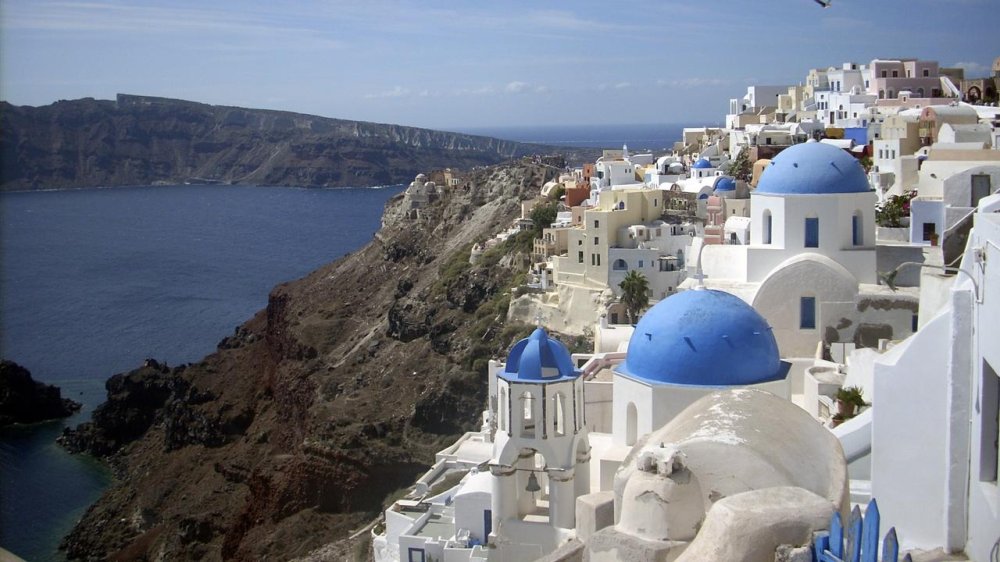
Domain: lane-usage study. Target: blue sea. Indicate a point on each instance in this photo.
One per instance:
(93, 281)
(639, 137)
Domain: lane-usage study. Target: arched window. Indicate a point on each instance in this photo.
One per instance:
(858, 229)
(767, 227)
(527, 415)
(559, 423)
(619, 265)
(920, 92)
(631, 424)
(503, 409)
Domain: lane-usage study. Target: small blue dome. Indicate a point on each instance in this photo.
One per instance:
(539, 358)
(813, 168)
(703, 338)
(725, 183)
(702, 164)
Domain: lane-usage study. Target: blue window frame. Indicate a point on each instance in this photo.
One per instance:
(857, 233)
(807, 313)
(812, 232)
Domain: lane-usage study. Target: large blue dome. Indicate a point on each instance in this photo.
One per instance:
(703, 338)
(813, 168)
(539, 358)
(703, 164)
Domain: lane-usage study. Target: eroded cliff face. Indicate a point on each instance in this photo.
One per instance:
(141, 140)
(336, 395)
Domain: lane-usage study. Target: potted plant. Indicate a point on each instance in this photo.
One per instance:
(849, 399)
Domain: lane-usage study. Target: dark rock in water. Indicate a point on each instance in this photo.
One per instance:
(25, 400)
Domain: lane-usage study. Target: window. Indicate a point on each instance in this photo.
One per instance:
(857, 230)
(620, 265)
(926, 73)
(597, 223)
(597, 240)
(812, 232)
(579, 257)
(767, 227)
(990, 424)
(640, 264)
(598, 259)
(807, 313)
(895, 74)
(914, 322)
(560, 408)
(631, 424)
(527, 415)
(883, 74)
(592, 260)
(503, 409)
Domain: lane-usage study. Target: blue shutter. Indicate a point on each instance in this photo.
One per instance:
(812, 232)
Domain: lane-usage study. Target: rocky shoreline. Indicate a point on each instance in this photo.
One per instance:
(24, 400)
(316, 411)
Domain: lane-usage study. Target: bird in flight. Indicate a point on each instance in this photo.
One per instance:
(824, 3)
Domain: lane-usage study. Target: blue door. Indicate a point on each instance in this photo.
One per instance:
(487, 524)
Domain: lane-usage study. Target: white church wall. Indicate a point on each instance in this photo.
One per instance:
(984, 495)
(599, 405)
(908, 480)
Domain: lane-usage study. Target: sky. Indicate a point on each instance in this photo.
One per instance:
(469, 63)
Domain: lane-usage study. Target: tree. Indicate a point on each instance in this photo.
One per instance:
(635, 294)
(741, 168)
(557, 192)
(543, 215)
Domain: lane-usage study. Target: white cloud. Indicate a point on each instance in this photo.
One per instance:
(480, 91)
(515, 87)
(693, 82)
(973, 69)
(623, 85)
(541, 89)
(396, 92)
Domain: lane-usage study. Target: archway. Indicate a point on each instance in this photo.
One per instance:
(631, 424)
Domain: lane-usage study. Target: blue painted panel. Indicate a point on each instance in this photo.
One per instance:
(869, 533)
(812, 232)
(807, 313)
(890, 547)
(853, 553)
(487, 524)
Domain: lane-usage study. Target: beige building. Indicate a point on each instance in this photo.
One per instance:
(586, 261)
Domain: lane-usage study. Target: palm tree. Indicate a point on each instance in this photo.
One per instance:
(635, 294)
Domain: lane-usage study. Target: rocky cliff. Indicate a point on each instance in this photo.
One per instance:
(25, 400)
(142, 140)
(325, 403)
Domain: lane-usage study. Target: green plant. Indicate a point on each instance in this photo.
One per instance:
(851, 395)
(635, 294)
(741, 168)
(893, 209)
(543, 215)
(557, 192)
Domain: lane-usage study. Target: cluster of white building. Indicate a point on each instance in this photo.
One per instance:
(705, 432)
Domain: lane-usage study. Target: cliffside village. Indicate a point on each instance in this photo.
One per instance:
(822, 330)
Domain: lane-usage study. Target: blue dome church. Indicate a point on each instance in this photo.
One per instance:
(809, 264)
(689, 345)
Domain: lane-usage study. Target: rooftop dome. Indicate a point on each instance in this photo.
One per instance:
(813, 168)
(725, 183)
(702, 164)
(539, 358)
(703, 338)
